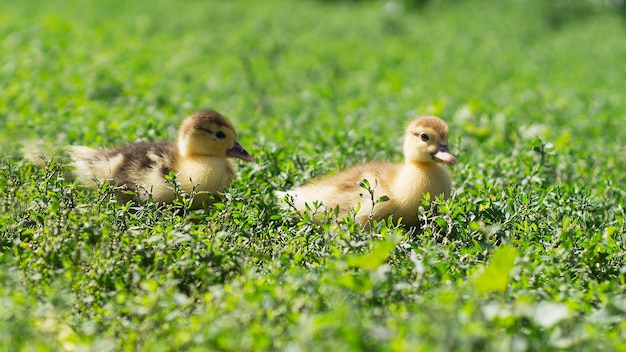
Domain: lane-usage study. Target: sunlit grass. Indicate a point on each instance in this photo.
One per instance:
(527, 255)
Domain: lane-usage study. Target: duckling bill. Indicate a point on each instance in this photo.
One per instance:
(200, 160)
(426, 151)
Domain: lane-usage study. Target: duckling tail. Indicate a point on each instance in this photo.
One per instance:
(37, 152)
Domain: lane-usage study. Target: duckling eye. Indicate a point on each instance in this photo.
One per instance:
(220, 135)
(424, 137)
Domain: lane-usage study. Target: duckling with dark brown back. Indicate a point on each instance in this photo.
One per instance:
(199, 159)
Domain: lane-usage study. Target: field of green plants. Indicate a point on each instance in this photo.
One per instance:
(527, 255)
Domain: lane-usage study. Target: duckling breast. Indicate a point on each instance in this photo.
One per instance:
(412, 183)
(206, 174)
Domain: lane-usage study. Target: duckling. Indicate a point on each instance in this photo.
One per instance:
(198, 159)
(425, 151)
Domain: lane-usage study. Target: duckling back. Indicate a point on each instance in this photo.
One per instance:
(342, 191)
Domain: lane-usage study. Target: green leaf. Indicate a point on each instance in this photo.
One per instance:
(375, 258)
(495, 277)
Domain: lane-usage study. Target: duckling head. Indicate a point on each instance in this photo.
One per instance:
(208, 133)
(426, 141)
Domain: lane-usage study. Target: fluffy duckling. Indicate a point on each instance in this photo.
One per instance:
(425, 150)
(199, 159)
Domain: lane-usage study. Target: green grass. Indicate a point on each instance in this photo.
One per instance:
(527, 255)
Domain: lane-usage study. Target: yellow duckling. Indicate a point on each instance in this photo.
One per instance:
(198, 159)
(425, 149)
